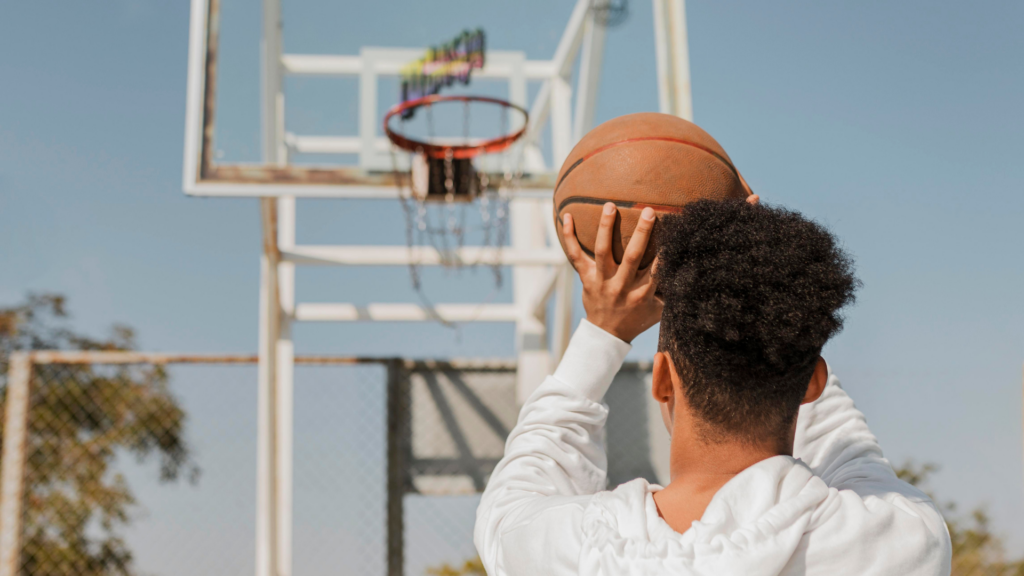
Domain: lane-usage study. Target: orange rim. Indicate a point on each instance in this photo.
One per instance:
(456, 151)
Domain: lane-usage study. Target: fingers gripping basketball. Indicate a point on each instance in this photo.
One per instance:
(636, 161)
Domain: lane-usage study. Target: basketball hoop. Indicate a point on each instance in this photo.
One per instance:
(464, 151)
(442, 168)
(441, 171)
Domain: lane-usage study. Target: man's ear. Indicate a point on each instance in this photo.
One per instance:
(661, 379)
(818, 381)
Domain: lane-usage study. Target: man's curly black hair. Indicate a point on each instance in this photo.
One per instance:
(751, 293)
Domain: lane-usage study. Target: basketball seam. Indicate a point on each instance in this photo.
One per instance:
(644, 139)
(618, 203)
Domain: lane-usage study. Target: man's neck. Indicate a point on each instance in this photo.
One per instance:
(699, 468)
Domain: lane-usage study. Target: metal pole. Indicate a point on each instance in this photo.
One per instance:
(673, 58)
(12, 474)
(266, 437)
(564, 134)
(285, 388)
(591, 59)
(561, 121)
(271, 96)
(276, 341)
(679, 46)
(195, 92)
(398, 446)
(565, 53)
(561, 330)
(661, 54)
(533, 359)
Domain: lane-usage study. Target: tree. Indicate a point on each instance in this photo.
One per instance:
(472, 567)
(976, 550)
(81, 419)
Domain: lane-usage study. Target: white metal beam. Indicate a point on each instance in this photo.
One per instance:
(539, 266)
(271, 97)
(538, 115)
(497, 66)
(561, 120)
(12, 474)
(672, 57)
(266, 511)
(421, 255)
(527, 226)
(591, 60)
(679, 46)
(367, 111)
(285, 383)
(326, 312)
(538, 304)
(194, 91)
(274, 338)
(369, 192)
(565, 54)
(661, 57)
(331, 144)
(561, 323)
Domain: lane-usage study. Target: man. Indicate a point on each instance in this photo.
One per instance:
(773, 469)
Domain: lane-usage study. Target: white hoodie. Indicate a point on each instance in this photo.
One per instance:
(835, 508)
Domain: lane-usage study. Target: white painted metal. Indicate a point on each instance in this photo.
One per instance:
(271, 95)
(368, 192)
(661, 57)
(332, 144)
(540, 270)
(285, 387)
(539, 113)
(538, 303)
(497, 67)
(12, 474)
(330, 312)
(373, 151)
(369, 66)
(367, 110)
(534, 361)
(279, 230)
(195, 88)
(266, 509)
(561, 329)
(591, 59)
(673, 59)
(561, 119)
(569, 43)
(420, 255)
(683, 105)
(284, 430)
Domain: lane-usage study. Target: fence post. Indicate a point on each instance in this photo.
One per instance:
(398, 464)
(12, 465)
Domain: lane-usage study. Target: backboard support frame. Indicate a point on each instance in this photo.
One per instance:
(540, 270)
(374, 177)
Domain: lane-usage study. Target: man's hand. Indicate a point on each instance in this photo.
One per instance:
(617, 298)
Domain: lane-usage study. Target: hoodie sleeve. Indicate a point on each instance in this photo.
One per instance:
(889, 522)
(528, 521)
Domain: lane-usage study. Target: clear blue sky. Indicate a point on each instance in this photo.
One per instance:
(897, 124)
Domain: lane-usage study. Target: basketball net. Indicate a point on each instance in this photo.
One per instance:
(441, 222)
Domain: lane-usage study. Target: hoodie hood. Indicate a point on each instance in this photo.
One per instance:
(753, 526)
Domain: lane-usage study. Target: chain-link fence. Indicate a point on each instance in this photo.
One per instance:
(121, 467)
(148, 465)
(459, 418)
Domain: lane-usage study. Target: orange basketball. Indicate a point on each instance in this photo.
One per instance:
(641, 160)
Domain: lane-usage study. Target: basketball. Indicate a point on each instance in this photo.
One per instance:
(640, 160)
